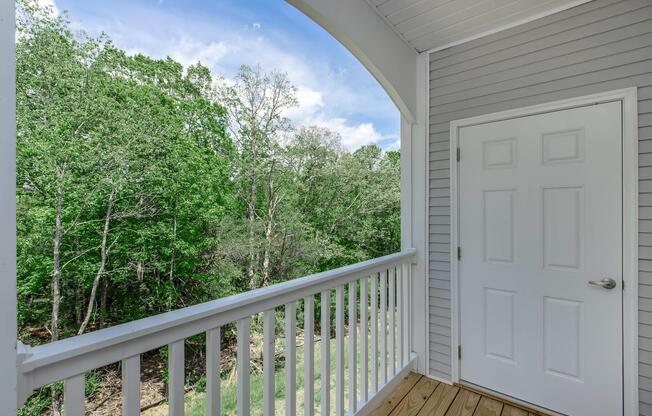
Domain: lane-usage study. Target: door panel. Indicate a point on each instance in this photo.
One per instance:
(540, 215)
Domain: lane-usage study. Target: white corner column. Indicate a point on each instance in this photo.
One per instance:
(8, 396)
(414, 219)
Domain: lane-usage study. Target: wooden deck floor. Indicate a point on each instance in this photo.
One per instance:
(420, 396)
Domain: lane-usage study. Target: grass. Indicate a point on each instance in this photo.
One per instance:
(195, 402)
(195, 406)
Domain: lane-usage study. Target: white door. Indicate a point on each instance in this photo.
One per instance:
(540, 215)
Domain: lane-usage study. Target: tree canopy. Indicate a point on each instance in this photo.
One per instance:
(143, 186)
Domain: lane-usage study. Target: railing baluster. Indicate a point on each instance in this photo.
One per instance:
(364, 335)
(400, 319)
(290, 359)
(353, 305)
(392, 322)
(131, 386)
(176, 377)
(269, 362)
(383, 327)
(374, 332)
(406, 313)
(73, 396)
(339, 339)
(71, 359)
(309, 355)
(213, 372)
(243, 367)
(325, 352)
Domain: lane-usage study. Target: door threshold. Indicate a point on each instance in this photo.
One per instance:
(512, 400)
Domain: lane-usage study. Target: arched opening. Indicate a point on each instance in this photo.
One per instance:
(155, 172)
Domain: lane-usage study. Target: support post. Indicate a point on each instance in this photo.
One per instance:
(414, 220)
(8, 382)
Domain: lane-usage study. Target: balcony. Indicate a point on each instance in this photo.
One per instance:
(371, 324)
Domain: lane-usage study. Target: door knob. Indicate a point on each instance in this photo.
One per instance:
(606, 283)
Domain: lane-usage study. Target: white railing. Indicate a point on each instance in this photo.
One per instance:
(390, 354)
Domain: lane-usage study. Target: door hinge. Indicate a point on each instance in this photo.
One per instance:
(459, 154)
(459, 352)
(459, 253)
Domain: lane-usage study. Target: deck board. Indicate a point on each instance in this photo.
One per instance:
(464, 404)
(416, 398)
(440, 400)
(404, 387)
(416, 395)
(513, 411)
(488, 407)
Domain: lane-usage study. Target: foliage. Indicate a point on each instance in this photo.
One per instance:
(143, 186)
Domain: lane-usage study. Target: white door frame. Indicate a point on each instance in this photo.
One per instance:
(628, 97)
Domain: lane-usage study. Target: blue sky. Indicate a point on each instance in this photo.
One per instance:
(335, 90)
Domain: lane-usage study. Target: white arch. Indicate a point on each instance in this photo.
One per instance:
(402, 73)
(363, 32)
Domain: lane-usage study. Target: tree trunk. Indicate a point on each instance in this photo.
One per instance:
(104, 256)
(271, 207)
(251, 213)
(174, 243)
(56, 285)
(104, 313)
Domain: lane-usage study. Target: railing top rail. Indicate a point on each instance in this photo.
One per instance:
(158, 330)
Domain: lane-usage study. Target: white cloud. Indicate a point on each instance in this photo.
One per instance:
(311, 111)
(51, 5)
(310, 103)
(329, 95)
(189, 51)
(353, 135)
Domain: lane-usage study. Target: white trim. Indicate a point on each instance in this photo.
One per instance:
(515, 23)
(439, 379)
(391, 25)
(630, 252)
(60, 360)
(426, 255)
(628, 97)
(414, 182)
(8, 394)
(366, 35)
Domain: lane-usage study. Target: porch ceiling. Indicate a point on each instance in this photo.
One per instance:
(433, 24)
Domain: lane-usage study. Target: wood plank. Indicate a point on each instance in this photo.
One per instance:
(488, 407)
(131, 386)
(309, 355)
(176, 374)
(353, 303)
(404, 387)
(416, 398)
(440, 400)
(339, 350)
(212, 372)
(513, 411)
(291, 358)
(464, 404)
(374, 333)
(73, 395)
(269, 362)
(243, 366)
(364, 339)
(325, 352)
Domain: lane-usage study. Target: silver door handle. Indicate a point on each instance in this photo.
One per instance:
(607, 283)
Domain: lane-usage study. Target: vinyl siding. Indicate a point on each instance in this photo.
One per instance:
(599, 46)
